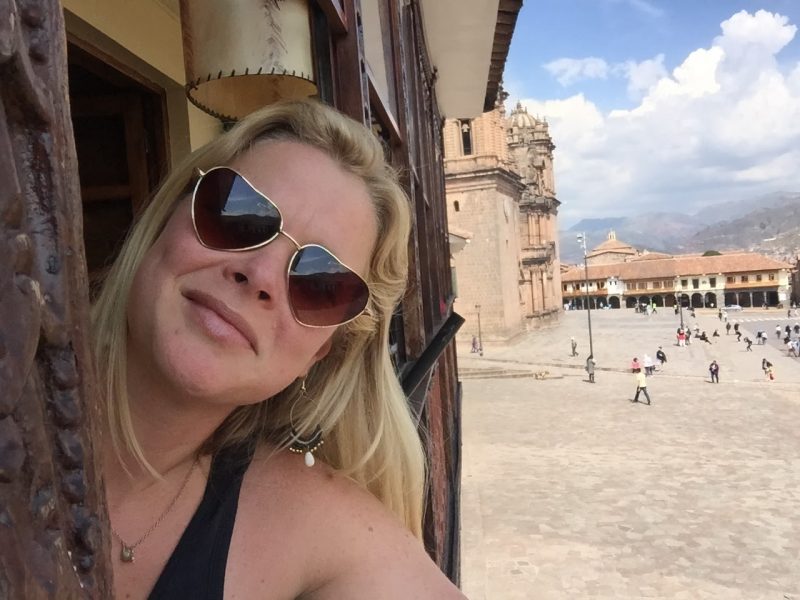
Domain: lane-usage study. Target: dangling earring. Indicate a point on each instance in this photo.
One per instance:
(302, 445)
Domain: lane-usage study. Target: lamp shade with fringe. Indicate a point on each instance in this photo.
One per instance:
(245, 54)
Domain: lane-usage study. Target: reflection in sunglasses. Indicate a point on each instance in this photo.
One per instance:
(243, 199)
(229, 214)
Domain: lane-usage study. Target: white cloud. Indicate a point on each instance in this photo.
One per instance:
(643, 75)
(571, 70)
(723, 124)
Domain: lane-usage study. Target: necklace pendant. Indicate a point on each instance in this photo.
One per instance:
(126, 554)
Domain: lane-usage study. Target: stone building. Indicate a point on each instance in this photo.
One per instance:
(742, 278)
(610, 251)
(501, 190)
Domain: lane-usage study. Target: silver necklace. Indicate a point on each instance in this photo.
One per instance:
(126, 553)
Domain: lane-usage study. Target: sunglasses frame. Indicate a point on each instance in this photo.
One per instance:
(298, 247)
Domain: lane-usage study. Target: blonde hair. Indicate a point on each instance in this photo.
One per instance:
(353, 393)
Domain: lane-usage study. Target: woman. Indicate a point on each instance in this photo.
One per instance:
(244, 323)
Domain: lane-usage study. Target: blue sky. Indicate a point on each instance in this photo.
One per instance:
(662, 104)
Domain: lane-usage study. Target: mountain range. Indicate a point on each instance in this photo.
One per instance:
(768, 224)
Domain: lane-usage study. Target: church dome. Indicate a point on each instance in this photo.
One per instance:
(519, 118)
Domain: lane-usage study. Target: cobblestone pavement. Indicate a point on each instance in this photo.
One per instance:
(570, 490)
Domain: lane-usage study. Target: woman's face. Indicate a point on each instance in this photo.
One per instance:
(217, 325)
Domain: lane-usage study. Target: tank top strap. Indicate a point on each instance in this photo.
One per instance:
(196, 568)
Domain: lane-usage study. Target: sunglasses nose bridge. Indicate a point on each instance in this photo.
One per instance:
(290, 238)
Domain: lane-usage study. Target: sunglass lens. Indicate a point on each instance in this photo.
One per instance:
(230, 215)
(322, 291)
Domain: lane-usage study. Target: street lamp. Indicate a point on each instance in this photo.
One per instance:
(480, 338)
(582, 242)
(680, 306)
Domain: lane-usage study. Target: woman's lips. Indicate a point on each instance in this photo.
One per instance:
(220, 320)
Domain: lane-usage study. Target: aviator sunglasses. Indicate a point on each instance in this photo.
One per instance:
(230, 214)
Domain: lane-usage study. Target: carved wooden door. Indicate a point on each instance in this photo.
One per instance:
(53, 542)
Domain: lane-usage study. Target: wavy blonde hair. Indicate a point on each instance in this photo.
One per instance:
(353, 393)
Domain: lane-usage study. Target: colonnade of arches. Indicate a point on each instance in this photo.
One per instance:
(696, 300)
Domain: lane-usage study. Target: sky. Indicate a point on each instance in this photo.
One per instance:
(661, 105)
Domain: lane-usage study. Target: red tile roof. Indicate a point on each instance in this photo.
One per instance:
(678, 266)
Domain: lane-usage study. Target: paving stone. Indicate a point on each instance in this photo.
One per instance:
(571, 491)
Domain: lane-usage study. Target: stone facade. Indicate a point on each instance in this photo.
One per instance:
(741, 278)
(610, 251)
(501, 195)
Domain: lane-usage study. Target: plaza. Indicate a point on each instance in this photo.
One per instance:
(570, 490)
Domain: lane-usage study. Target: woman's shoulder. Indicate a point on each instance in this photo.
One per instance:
(336, 539)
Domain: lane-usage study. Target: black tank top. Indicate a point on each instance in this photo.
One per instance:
(196, 568)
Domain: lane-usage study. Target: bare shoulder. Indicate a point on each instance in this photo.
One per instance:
(336, 539)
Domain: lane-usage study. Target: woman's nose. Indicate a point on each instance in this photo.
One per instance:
(261, 273)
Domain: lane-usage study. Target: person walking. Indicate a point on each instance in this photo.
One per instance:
(713, 369)
(649, 365)
(738, 336)
(590, 365)
(727, 328)
(778, 331)
(641, 386)
(736, 327)
(688, 337)
(681, 338)
(574, 345)
(765, 364)
(660, 356)
(474, 349)
(749, 343)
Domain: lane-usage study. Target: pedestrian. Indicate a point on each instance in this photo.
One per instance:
(738, 336)
(574, 345)
(704, 338)
(691, 312)
(641, 386)
(719, 314)
(590, 365)
(736, 327)
(676, 309)
(474, 349)
(713, 369)
(681, 338)
(778, 331)
(688, 337)
(770, 372)
(797, 328)
(727, 328)
(749, 343)
(649, 365)
(662, 358)
(635, 365)
(716, 333)
(765, 364)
